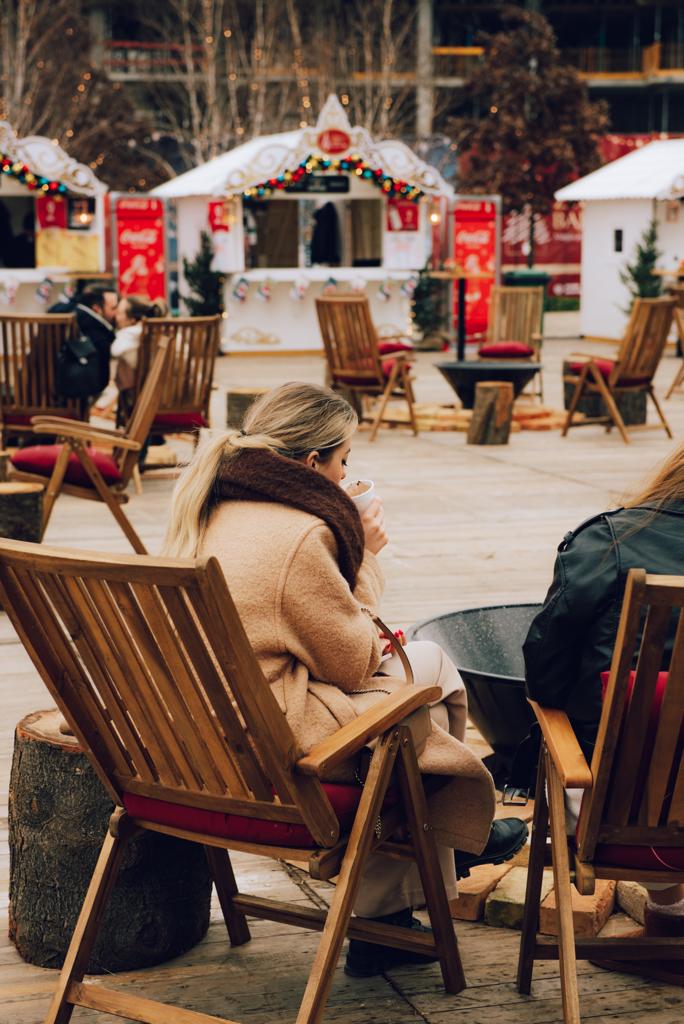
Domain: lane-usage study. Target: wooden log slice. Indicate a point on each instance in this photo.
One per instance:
(58, 816)
(492, 412)
(238, 401)
(21, 510)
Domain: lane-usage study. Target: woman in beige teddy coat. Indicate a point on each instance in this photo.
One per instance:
(303, 571)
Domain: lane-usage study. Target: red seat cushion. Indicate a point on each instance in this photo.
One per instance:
(386, 348)
(344, 800)
(506, 350)
(180, 421)
(41, 459)
(605, 368)
(350, 378)
(24, 420)
(646, 858)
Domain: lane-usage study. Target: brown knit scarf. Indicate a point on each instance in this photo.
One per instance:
(259, 475)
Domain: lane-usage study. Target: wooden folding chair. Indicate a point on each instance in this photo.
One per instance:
(29, 346)
(632, 815)
(76, 468)
(149, 663)
(514, 327)
(677, 293)
(355, 365)
(186, 385)
(631, 370)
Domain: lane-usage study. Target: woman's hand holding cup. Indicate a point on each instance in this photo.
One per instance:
(373, 522)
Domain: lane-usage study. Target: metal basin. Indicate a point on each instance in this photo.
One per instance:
(486, 646)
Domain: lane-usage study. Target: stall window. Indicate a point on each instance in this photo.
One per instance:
(17, 232)
(617, 240)
(366, 232)
(271, 234)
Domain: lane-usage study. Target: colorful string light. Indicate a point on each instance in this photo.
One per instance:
(24, 174)
(288, 181)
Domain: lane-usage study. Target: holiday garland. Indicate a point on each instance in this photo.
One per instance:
(23, 174)
(289, 180)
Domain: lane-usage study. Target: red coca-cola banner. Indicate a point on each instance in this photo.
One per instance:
(217, 212)
(402, 215)
(51, 212)
(475, 252)
(140, 247)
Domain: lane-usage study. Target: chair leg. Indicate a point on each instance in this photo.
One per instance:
(137, 482)
(85, 933)
(428, 864)
(408, 389)
(574, 401)
(107, 497)
(535, 873)
(661, 415)
(677, 380)
(612, 408)
(313, 1004)
(391, 383)
(54, 486)
(563, 892)
(226, 888)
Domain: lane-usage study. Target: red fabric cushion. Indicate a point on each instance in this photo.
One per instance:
(647, 858)
(605, 368)
(386, 348)
(41, 458)
(344, 801)
(506, 350)
(387, 367)
(21, 420)
(179, 421)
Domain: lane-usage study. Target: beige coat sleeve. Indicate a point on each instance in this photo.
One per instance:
(320, 622)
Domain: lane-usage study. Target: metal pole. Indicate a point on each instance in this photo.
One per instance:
(461, 335)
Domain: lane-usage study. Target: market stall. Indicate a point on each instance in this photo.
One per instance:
(619, 201)
(52, 216)
(307, 212)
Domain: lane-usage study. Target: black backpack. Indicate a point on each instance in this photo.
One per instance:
(78, 369)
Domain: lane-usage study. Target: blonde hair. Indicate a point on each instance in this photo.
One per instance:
(666, 484)
(291, 420)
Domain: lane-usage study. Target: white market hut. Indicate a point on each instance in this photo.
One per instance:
(292, 215)
(52, 221)
(619, 200)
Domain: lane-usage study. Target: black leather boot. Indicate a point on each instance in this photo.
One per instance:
(365, 959)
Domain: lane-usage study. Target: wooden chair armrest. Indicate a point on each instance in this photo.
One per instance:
(367, 726)
(81, 431)
(563, 747)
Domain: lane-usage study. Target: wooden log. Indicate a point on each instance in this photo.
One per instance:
(492, 412)
(21, 510)
(4, 466)
(238, 401)
(58, 816)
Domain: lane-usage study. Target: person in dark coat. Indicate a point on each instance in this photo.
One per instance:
(95, 309)
(571, 640)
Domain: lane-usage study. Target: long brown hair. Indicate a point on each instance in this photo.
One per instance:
(666, 484)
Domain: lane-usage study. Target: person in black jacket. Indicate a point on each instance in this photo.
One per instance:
(95, 309)
(571, 640)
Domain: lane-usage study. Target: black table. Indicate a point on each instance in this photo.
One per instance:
(464, 375)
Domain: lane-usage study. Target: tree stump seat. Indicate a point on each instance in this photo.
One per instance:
(58, 815)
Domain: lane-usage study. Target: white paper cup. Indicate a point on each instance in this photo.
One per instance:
(363, 500)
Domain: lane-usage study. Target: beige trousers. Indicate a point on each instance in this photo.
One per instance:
(389, 885)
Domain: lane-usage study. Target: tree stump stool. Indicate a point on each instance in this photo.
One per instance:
(631, 404)
(58, 815)
(238, 401)
(4, 466)
(492, 413)
(21, 510)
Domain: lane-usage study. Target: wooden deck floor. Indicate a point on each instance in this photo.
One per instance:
(468, 526)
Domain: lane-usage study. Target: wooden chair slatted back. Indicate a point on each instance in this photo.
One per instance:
(149, 663)
(189, 374)
(515, 314)
(644, 340)
(144, 411)
(638, 767)
(29, 346)
(349, 338)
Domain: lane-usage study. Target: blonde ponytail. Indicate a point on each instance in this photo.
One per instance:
(292, 420)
